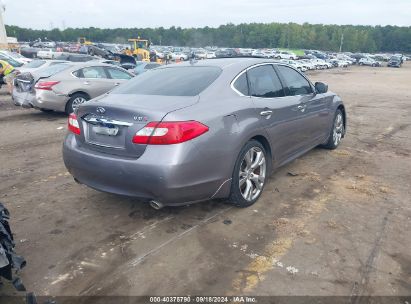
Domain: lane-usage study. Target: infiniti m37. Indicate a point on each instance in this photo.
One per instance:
(212, 129)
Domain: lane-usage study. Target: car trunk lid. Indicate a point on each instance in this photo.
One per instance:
(109, 123)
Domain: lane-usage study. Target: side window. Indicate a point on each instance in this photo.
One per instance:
(241, 84)
(94, 72)
(78, 74)
(295, 82)
(264, 82)
(117, 74)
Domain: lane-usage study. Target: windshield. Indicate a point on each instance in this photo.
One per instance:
(176, 81)
(34, 64)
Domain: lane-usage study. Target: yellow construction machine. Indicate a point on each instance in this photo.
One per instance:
(139, 48)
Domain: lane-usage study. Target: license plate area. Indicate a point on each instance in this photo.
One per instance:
(105, 130)
(106, 135)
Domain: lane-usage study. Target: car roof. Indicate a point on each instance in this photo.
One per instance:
(232, 64)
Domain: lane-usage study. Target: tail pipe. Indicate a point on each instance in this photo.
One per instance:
(156, 205)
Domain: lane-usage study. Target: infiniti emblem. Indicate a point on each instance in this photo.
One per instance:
(101, 110)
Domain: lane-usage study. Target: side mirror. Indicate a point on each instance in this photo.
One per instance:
(321, 88)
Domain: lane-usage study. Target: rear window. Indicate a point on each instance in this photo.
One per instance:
(173, 81)
(52, 70)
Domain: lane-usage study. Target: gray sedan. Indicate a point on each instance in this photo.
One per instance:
(213, 129)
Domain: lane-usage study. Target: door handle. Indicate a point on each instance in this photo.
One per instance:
(86, 82)
(117, 84)
(301, 108)
(266, 113)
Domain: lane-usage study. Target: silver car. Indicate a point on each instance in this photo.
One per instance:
(203, 130)
(65, 86)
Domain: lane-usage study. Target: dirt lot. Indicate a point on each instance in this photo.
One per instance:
(338, 225)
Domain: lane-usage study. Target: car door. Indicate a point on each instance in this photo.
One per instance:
(93, 80)
(313, 108)
(117, 76)
(277, 113)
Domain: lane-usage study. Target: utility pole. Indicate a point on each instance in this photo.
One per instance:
(342, 42)
(3, 34)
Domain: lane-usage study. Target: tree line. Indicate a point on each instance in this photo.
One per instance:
(356, 38)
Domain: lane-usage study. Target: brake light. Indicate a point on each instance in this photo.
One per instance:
(168, 133)
(73, 124)
(45, 85)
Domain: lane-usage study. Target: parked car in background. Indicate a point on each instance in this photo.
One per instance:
(16, 56)
(226, 53)
(369, 61)
(285, 55)
(76, 57)
(10, 60)
(63, 87)
(200, 54)
(37, 64)
(211, 55)
(179, 56)
(143, 66)
(29, 52)
(48, 54)
(394, 62)
(259, 54)
(295, 64)
(159, 137)
(94, 50)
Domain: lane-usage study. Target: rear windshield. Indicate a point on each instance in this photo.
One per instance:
(172, 81)
(34, 64)
(52, 70)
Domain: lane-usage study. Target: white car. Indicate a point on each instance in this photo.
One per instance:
(296, 64)
(285, 55)
(308, 64)
(211, 55)
(48, 54)
(200, 54)
(179, 56)
(16, 56)
(259, 54)
(368, 61)
(320, 64)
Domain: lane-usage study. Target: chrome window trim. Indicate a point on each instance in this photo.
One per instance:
(245, 71)
(309, 82)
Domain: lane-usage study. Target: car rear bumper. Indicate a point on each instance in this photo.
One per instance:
(23, 99)
(171, 175)
(50, 100)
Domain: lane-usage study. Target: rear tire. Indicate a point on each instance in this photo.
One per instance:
(249, 175)
(337, 131)
(75, 100)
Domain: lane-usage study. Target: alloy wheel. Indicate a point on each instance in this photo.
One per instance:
(77, 102)
(252, 174)
(338, 130)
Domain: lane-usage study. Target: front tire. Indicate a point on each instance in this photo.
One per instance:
(337, 131)
(249, 175)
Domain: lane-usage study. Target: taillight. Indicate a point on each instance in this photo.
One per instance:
(73, 124)
(168, 133)
(45, 85)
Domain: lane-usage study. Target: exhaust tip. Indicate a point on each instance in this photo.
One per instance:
(156, 205)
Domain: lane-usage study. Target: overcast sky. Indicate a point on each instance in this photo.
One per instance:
(43, 14)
